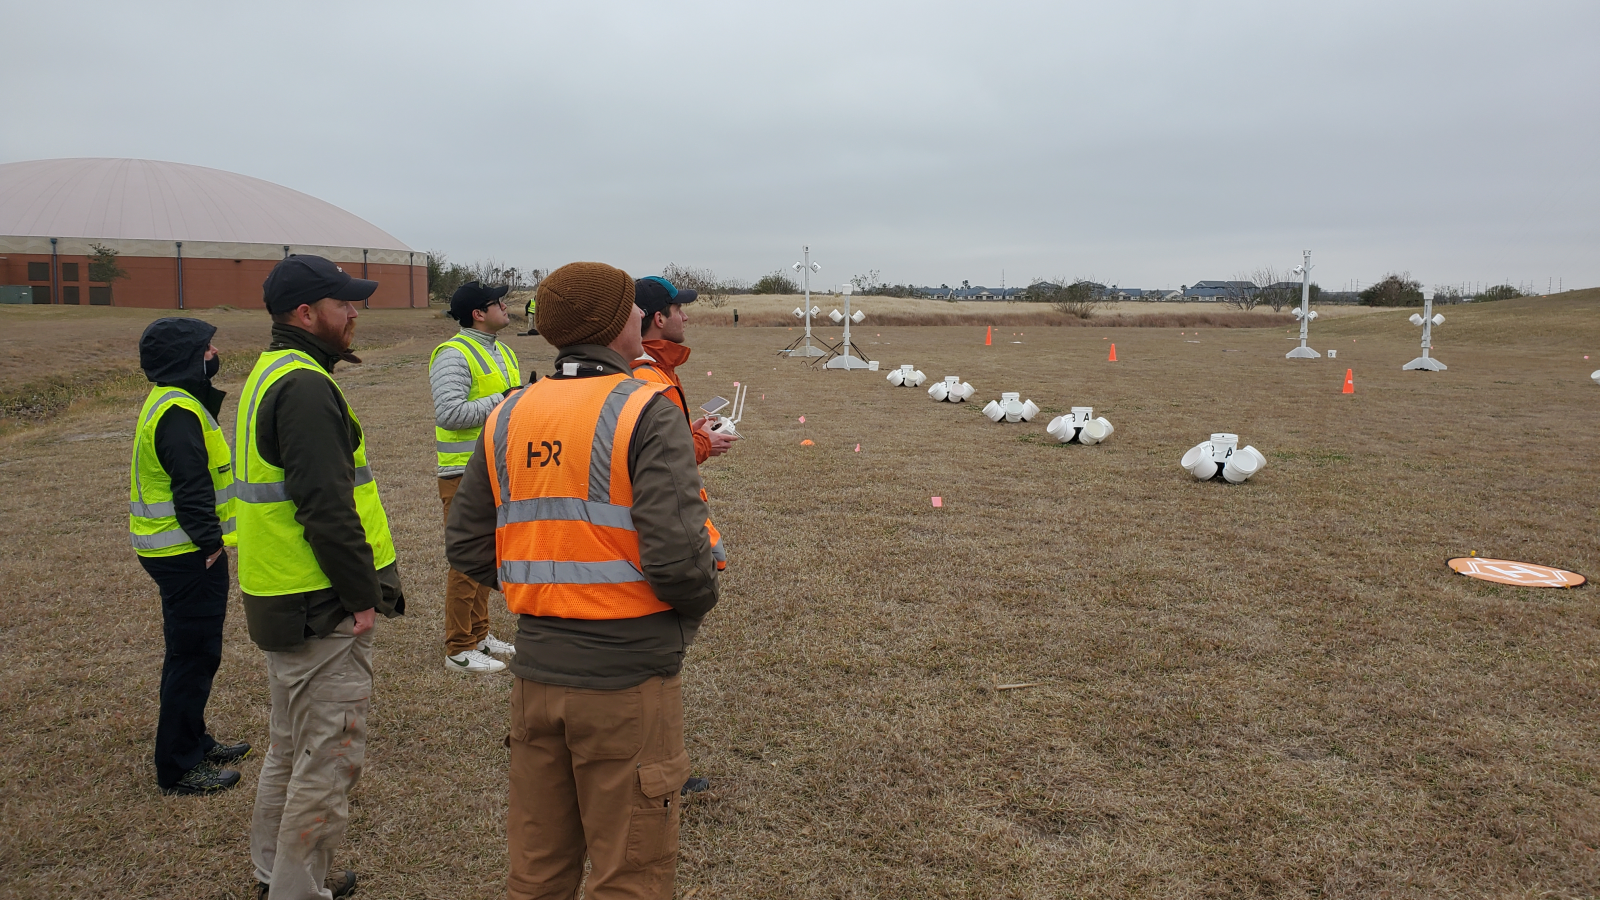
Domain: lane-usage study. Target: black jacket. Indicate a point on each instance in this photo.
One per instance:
(304, 427)
(172, 353)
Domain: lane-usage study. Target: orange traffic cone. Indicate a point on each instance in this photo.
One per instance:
(1113, 357)
(1349, 381)
(988, 337)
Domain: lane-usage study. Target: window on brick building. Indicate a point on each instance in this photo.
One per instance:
(69, 271)
(69, 294)
(38, 271)
(41, 294)
(99, 296)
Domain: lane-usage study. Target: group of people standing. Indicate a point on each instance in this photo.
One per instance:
(577, 495)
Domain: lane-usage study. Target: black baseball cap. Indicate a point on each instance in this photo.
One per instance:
(654, 294)
(302, 278)
(471, 296)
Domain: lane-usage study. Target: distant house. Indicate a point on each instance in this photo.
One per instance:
(1217, 291)
(975, 292)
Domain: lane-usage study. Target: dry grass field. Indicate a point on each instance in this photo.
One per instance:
(1267, 690)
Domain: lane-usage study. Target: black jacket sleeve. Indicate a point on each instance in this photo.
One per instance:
(469, 532)
(312, 438)
(181, 448)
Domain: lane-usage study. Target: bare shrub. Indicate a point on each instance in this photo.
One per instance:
(778, 282)
(713, 290)
(1077, 298)
(1243, 292)
(1396, 289)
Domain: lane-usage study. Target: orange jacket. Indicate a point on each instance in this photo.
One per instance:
(565, 539)
(662, 368)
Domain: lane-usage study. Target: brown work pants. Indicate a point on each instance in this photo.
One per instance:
(595, 773)
(466, 602)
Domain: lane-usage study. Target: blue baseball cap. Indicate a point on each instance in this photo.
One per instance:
(654, 294)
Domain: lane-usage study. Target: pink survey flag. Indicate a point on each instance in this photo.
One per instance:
(802, 420)
(938, 502)
(858, 448)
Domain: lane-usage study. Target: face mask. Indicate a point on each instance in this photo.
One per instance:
(213, 366)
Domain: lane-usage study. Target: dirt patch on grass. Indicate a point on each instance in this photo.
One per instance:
(1272, 689)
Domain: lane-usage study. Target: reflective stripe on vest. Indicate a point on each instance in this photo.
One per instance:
(153, 526)
(454, 446)
(645, 371)
(564, 534)
(274, 556)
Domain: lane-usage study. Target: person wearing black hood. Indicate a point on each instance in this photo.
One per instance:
(179, 516)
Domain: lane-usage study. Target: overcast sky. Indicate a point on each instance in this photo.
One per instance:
(1145, 144)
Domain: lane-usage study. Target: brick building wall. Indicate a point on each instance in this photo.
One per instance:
(152, 281)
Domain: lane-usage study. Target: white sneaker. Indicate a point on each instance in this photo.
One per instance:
(496, 647)
(471, 662)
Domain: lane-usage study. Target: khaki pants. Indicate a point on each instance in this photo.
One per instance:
(595, 773)
(318, 743)
(466, 602)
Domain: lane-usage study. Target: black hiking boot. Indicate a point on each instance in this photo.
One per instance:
(203, 779)
(222, 754)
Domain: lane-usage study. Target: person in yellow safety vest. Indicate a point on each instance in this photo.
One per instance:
(530, 310)
(582, 503)
(469, 374)
(180, 516)
(316, 565)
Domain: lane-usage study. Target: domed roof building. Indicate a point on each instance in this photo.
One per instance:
(182, 236)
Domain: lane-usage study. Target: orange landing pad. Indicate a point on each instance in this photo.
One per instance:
(1521, 574)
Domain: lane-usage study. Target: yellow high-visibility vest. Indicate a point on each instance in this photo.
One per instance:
(454, 446)
(274, 556)
(152, 519)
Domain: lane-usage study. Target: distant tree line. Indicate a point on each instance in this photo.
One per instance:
(1400, 289)
(445, 276)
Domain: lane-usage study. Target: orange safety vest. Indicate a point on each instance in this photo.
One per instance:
(643, 369)
(564, 535)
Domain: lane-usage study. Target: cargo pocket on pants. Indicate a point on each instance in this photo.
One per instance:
(653, 829)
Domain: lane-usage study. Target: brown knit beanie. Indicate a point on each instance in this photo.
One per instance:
(583, 303)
